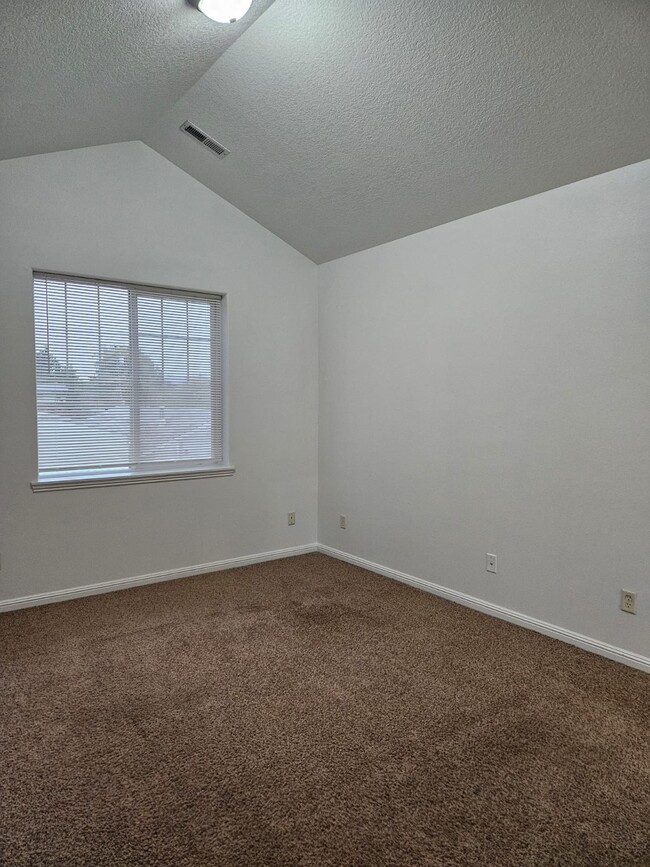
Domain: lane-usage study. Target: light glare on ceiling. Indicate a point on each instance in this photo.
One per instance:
(225, 11)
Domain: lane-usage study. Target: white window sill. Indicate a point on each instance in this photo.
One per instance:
(107, 481)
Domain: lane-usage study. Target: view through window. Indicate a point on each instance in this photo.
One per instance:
(128, 378)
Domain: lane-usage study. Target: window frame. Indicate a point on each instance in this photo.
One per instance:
(159, 471)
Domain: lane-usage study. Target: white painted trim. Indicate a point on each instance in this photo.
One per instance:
(152, 578)
(72, 484)
(618, 654)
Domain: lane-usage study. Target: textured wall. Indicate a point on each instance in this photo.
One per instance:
(485, 388)
(123, 212)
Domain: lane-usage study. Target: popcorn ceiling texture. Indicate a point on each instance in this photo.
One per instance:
(75, 74)
(350, 123)
(307, 712)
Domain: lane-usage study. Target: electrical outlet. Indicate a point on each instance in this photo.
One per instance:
(628, 601)
(491, 563)
(291, 519)
(342, 522)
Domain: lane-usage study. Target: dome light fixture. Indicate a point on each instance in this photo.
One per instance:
(225, 11)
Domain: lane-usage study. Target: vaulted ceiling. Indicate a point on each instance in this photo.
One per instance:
(350, 122)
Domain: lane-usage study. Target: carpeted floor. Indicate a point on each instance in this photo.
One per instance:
(306, 712)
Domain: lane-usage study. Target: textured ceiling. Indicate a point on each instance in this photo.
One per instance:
(75, 73)
(350, 123)
(354, 123)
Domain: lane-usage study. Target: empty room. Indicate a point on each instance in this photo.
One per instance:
(325, 433)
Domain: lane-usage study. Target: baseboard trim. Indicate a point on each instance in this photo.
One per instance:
(152, 578)
(618, 654)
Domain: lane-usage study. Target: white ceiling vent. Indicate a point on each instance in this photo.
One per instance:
(205, 139)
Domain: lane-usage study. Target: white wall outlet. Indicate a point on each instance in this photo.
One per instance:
(342, 523)
(291, 519)
(491, 563)
(628, 601)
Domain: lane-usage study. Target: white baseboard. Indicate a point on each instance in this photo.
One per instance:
(151, 578)
(618, 654)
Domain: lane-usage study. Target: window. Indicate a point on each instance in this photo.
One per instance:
(129, 383)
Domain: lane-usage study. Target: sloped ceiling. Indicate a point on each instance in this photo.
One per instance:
(350, 123)
(76, 73)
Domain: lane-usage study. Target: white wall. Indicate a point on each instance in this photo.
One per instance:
(124, 212)
(485, 387)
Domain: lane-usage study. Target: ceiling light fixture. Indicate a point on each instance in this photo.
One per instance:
(225, 11)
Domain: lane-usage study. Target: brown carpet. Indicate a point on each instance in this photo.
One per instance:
(307, 712)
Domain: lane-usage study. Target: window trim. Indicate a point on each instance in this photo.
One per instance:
(129, 478)
(164, 471)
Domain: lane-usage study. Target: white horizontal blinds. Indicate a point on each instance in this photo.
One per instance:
(83, 379)
(216, 340)
(179, 378)
(128, 378)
